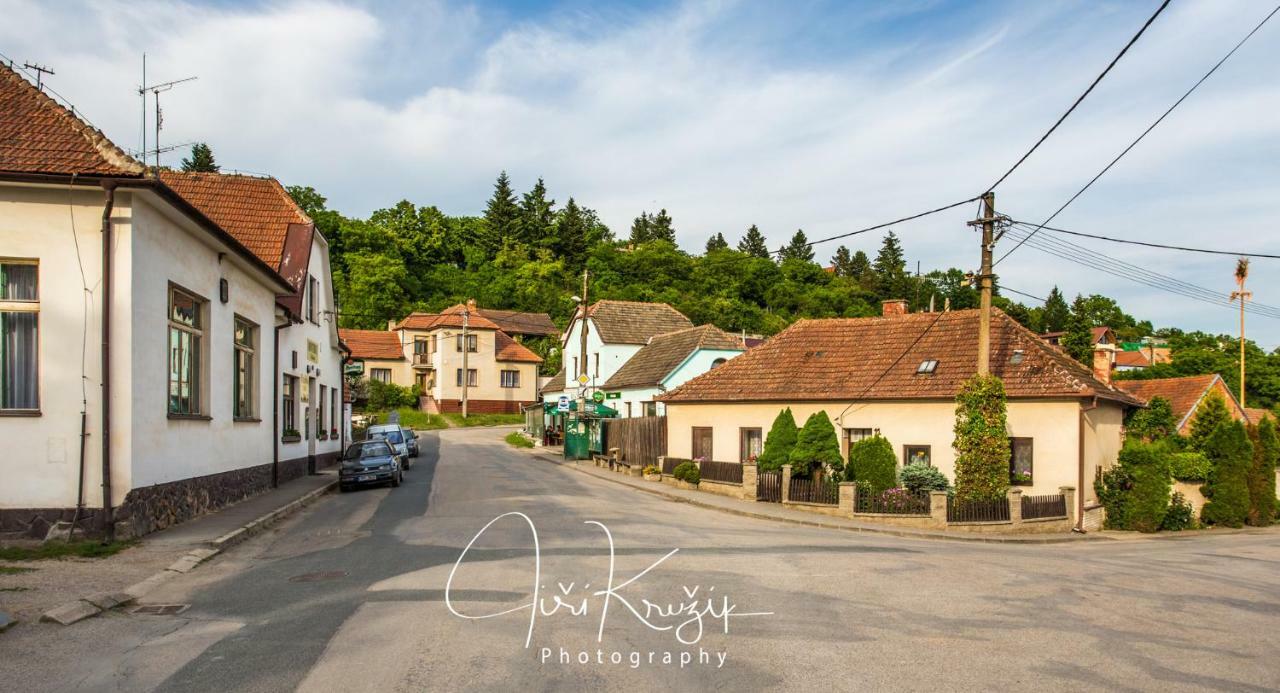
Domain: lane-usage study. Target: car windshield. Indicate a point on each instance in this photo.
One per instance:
(393, 436)
(372, 448)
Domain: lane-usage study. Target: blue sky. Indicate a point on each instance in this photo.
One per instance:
(813, 115)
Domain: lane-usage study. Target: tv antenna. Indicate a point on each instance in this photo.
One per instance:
(40, 71)
(155, 90)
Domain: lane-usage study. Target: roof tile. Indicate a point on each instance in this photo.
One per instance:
(257, 211)
(657, 359)
(631, 322)
(372, 344)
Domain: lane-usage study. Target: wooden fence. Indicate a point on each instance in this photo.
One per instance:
(640, 441)
(1038, 507)
(769, 487)
(822, 491)
(730, 472)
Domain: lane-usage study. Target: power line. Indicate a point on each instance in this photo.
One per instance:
(1081, 98)
(1145, 132)
(1153, 245)
(1003, 288)
(886, 224)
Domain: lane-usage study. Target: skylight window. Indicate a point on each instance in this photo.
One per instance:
(927, 367)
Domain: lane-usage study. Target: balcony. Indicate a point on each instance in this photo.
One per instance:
(422, 360)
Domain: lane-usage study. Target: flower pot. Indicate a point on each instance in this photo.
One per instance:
(290, 438)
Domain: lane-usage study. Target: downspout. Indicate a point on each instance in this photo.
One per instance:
(108, 523)
(1080, 465)
(275, 405)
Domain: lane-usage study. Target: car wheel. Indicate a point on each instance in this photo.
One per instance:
(395, 480)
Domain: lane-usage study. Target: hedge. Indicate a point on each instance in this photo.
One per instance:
(1189, 466)
(1231, 455)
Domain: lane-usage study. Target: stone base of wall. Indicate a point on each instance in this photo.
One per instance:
(820, 508)
(721, 488)
(475, 406)
(34, 523)
(152, 508)
(917, 521)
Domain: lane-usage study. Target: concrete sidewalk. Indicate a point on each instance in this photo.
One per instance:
(778, 512)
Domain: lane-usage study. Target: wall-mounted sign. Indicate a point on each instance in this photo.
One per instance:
(613, 395)
(354, 368)
(597, 397)
(313, 352)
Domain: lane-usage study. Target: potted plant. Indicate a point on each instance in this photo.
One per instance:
(652, 473)
(290, 435)
(322, 435)
(333, 433)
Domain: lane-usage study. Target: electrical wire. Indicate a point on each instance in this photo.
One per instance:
(886, 224)
(1153, 245)
(1081, 98)
(1022, 293)
(1140, 137)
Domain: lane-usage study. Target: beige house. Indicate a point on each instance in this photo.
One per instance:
(897, 376)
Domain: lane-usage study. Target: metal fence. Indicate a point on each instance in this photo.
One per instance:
(730, 472)
(894, 501)
(1039, 507)
(820, 491)
(640, 440)
(769, 487)
(978, 511)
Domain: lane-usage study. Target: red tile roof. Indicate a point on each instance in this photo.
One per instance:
(1132, 359)
(1256, 415)
(1184, 394)
(449, 317)
(633, 322)
(257, 211)
(37, 135)
(372, 344)
(665, 352)
(877, 359)
(508, 349)
(517, 322)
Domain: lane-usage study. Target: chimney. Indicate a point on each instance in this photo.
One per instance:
(391, 325)
(471, 305)
(893, 306)
(1102, 364)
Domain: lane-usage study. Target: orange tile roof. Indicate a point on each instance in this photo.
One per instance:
(372, 344)
(38, 135)
(877, 359)
(1184, 394)
(449, 317)
(657, 359)
(256, 211)
(1132, 359)
(1256, 414)
(508, 349)
(634, 322)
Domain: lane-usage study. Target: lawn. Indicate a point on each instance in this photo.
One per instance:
(486, 419)
(62, 549)
(412, 418)
(518, 439)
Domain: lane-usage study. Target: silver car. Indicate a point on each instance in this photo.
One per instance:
(396, 437)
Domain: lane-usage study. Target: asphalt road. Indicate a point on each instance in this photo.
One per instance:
(351, 596)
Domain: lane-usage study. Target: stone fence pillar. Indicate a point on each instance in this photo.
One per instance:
(1015, 505)
(1069, 494)
(848, 497)
(662, 463)
(749, 481)
(786, 483)
(938, 507)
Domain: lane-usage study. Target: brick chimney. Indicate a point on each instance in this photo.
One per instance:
(471, 306)
(1102, 364)
(893, 306)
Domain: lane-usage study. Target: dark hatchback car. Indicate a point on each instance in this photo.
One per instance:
(367, 463)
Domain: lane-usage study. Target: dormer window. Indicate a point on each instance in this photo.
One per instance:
(927, 367)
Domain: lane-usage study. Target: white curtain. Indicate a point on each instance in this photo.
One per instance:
(18, 361)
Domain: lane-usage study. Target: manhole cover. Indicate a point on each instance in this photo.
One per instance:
(320, 576)
(161, 609)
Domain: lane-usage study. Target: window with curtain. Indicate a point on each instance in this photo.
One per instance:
(1021, 456)
(186, 341)
(472, 377)
(333, 409)
(243, 383)
(382, 375)
(750, 443)
(19, 335)
(288, 405)
(473, 344)
(702, 443)
(510, 378)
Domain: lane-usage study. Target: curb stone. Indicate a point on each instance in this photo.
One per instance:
(6, 622)
(71, 612)
(242, 533)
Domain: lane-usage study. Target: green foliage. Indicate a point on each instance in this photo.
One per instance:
(474, 420)
(779, 443)
(1181, 514)
(817, 447)
(1078, 341)
(411, 418)
(872, 464)
(890, 269)
(1231, 454)
(501, 216)
(1211, 414)
(1135, 492)
(717, 242)
(688, 472)
(1154, 422)
(384, 396)
(797, 249)
(981, 440)
(1188, 466)
(518, 439)
(753, 244)
(201, 160)
(652, 227)
(923, 477)
(1056, 314)
(842, 262)
(1262, 473)
(1112, 488)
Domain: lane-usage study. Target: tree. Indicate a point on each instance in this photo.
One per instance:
(797, 249)
(1056, 314)
(717, 242)
(661, 229)
(537, 218)
(1262, 473)
(1154, 422)
(641, 229)
(1135, 492)
(201, 160)
(501, 216)
(817, 447)
(872, 465)
(842, 262)
(572, 235)
(1230, 455)
(860, 269)
(1211, 414)
(778, 444)
(1078, 341)
(753, 243)
(890, 269)
(981, 440)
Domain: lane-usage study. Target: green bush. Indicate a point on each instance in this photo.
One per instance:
(1231, 455)
(780, 441)
(816, 448)
(922, 477)
(1113, 488)
(1262, 473)
(518, 439)
(384, 396)
(1211, 413)
(1189, 466)
(1136, 491)
(687, 471)
(1181, 514)
(872, 464)
(1153, 422)
(981, 440)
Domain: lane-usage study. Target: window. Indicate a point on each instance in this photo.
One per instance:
(750, 443)
(628, 410)
(853, 435)
(916, 454)
(650, 408)
(382, 375)
(320, 409)
(510, 378)
(420, 345)
(596, 356)
(243, 402)
(473, 343)
(927, 367)
(576, 372)
(288, 405)
(717, 362)
(19, 335)
(186, 344)
(701, 443)
(333, 409)
(472, 377)
(1020, 457)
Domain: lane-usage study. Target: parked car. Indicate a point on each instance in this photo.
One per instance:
(398, 438)
(412, 437)
(367, 463)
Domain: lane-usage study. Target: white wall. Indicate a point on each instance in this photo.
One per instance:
(612, 356)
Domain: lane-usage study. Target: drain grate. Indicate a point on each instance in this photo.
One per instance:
(320, 576)
(161, 609)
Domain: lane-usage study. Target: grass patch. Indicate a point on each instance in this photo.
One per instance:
(14, 570)
(62, 549)
(412, 418)
(486, 419)
(517, 439)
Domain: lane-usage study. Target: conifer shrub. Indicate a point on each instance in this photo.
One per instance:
(1231, 454)
(1136, 491)
(779, 442)
(687, 472)
(922, 477)
(872, 464)
(1262, 473)
(816, 448)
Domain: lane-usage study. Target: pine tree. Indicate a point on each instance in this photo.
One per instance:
(717, 242)
(1078, 341)
(1056, 314)
(642, 229)
(537, 220)
(753, 243)
(1211, 414)
(501, 216)
(860, 269)
(1230, 455)
(661, 228)
(572, 229)
(842, 262)
(779, 442)
(890, 269)
(201, 160)
(797, 249)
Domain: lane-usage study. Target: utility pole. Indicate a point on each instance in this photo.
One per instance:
(466, 347)
(1242, 273)
(988, 222)
(582, 347)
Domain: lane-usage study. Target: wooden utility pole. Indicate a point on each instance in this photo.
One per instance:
(1242, 273)
(582, 346)
(984, 283)
(466, 347)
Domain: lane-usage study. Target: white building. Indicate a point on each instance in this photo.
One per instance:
(665, 363)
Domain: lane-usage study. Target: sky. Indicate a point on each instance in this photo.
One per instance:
(826, 117)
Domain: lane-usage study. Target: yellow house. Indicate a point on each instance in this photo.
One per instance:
(897, 376)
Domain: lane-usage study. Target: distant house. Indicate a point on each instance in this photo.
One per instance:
(897, 376)
(1131, 361)
(521, 325)
(380, 354)
(666, 362)
(1185, 395)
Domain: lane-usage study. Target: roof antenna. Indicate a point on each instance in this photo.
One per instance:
(40, 71)
(155, 90)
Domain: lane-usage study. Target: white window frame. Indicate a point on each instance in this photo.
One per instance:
(382, 375)
(14, 306)
(473, 377)
(510, 378)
